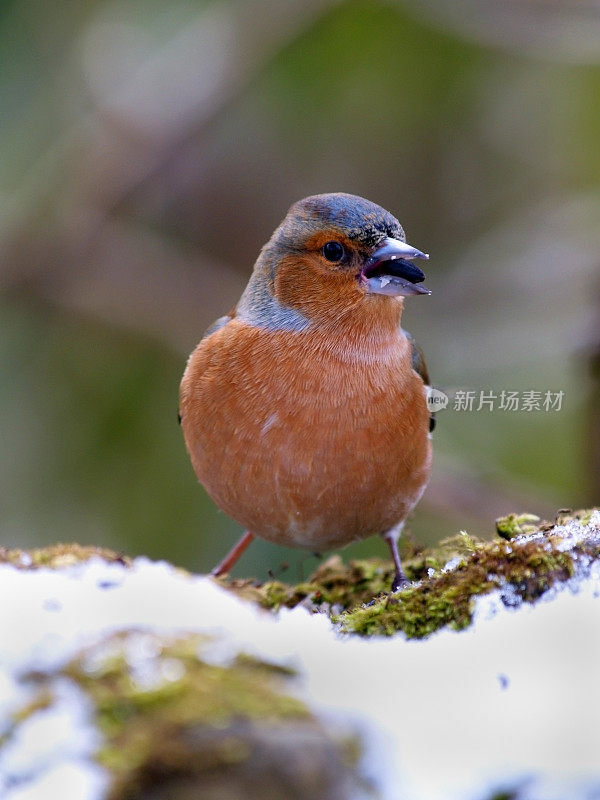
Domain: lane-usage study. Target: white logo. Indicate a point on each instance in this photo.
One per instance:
(436, 399)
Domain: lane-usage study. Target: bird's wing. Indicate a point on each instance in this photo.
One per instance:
(217, 325)
(418, 359)
(420, 367)
(220, 323)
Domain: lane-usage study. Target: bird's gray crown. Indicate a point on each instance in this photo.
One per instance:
(358, 219)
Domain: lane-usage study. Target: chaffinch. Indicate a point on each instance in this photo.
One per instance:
(304, 410)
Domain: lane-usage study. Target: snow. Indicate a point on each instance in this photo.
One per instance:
(66, 780)
(52, 745)
(512, 701)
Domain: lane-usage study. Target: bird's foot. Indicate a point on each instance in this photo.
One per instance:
(232, 556)
(400, 581)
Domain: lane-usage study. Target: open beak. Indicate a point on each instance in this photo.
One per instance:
(389, 271)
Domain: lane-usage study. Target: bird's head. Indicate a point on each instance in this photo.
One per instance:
(334, 253)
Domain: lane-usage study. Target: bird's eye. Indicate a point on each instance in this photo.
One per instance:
(333, 251)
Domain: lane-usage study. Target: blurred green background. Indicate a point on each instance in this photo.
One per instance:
(147, 151)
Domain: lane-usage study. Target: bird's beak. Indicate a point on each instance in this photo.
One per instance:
(389, 271)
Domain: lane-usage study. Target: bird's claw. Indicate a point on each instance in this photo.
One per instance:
(400, 582)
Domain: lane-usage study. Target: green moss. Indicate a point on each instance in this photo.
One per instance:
(447, 598)
(143, 710)
(582, 515)
(529, 566)
(357, 595)
(516, 524)
(58, 555)
(176, 725)
(334, 585)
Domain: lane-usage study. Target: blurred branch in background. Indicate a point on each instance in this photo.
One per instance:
(147, 152)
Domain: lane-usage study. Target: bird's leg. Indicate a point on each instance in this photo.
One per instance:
(233, 555)
(391, 537)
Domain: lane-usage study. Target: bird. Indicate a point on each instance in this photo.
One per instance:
(304, 409)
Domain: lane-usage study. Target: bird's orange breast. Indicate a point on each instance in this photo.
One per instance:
(303, 443)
